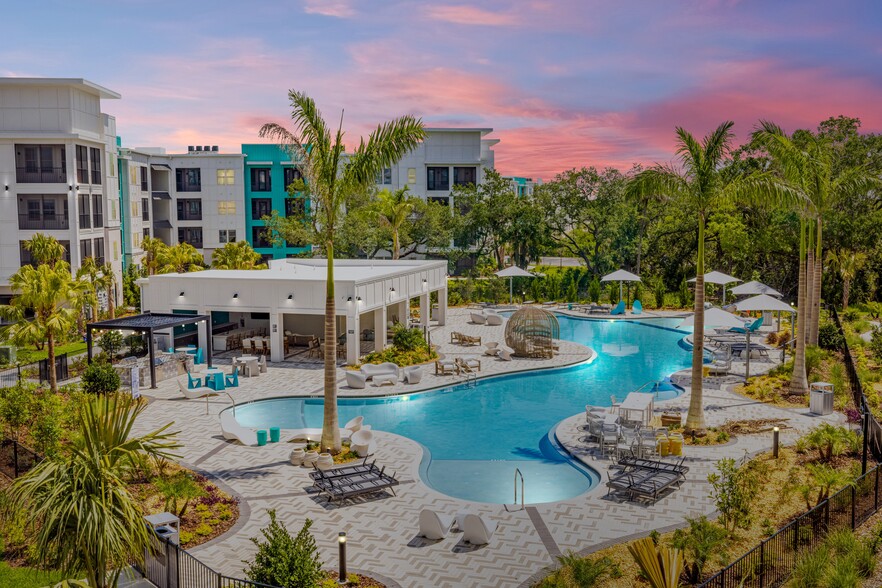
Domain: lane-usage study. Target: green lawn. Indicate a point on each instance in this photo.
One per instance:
(27, 577)
(24, 356)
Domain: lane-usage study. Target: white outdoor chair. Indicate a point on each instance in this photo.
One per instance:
(504, 354)
(261, 364)
(197, 392)
(433, 525)
(478, 530)
(362, 442)
(478, 318)
(354, 425)
(355, 379)
(413, 374)
(494, 320)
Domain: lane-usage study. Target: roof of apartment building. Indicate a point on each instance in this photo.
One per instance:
(83, 84)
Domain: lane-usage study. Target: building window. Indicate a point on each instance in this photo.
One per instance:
(385, 176)
(260, 179)
(133, 175)
(226, 177)
(259, 238)
(191, 235)
(146, 234)
(437, 178)
(143, 178)
(463, 176)
(411, 175)
(294, 207)
(188, 179)
(95, 165)
(82, 164)
(145, 209)
(97, 211)
(226, 236)
(226, 207)
(440, 200)
(261, 207)
(85, 249)
(43, 164)
(85, 220)
(136, 240)
(189, 209)
(292, 174)
(99, 250)
(113, 210)
(37, 211)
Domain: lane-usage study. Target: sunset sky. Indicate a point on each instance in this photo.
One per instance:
(564, 83)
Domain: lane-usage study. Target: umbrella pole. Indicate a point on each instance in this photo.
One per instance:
(747, 367)
(510, 295)
(620, 290)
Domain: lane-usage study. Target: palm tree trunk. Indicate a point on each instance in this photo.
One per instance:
(395, 243)
(330, 424)
(846, 289)
(94, 304)
(799, 381)
(695, 417)
(809, 290)
(816, 285)
(111, 309)
(50, 360)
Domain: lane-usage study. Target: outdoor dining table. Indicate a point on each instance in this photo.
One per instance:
(214, 378)
(190, 350)
(637, 402)
(248, 362)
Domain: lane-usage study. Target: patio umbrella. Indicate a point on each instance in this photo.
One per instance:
(763, 303)
(720, 278)
(620, 276)
(511, 273)
(754, 287)
(714, 317)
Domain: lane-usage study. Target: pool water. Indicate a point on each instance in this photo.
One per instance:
(474, 436)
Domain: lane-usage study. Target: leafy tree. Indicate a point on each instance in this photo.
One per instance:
(44, 249)
(237, 256)
(131, 290)
(100, 378)
(110, 342)
(45, 427)
(283, 560)
(700, 542)
(154, 250)
(848, 264)
(177, 489)
(328, 183)
(180, 258)
(734, 489)
(90, 273)
(15, 409)
(393, 209)
(82, 518)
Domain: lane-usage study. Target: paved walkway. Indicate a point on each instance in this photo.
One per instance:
(382, 532)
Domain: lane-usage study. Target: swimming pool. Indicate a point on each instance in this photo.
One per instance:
(474, 436)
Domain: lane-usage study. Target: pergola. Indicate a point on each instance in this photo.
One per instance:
(149, 323)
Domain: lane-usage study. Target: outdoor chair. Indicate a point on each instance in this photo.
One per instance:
(362, 443)
(619, 309)
(233, 378)
(444, 366)
(413, 374)
(468, 364)
(197, 392)
(477, 530)
(494, 320)
(637, 307)
(355, 379)
(434, 526)
(504, 354)
(193, 382)
(478, 318)
(615, 404)
(261, 364)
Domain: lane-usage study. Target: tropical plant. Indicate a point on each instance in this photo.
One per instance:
(393, 209)
(328, 182)
(700, 185)
(15, 409)
(811, 567)
(180, 258)
(154, 249)
(822, 480)
(829, 337)
(237, 256)
(848, 264)
(83, 520)
(830, 441)
(44, 249)
(702, 540)
(405, 339)
(178, 490)
(100, 378)
(108, 280)
(580, 572)
(661, 566)
(283, 560)
(90, 273)
(734, 488)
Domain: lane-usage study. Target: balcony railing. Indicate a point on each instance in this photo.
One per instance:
(46, 221)
(40, 175)
(190, 216)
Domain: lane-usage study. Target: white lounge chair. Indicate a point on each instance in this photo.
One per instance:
(494, 320)
(413, 374)
(355, 379)
(314, 434)
(504, 354)
(433, 525)
(233, 431)
(197, 392)
(478, 530)
(362, 443)
(354, 425)
(370, 370)
(478, 318)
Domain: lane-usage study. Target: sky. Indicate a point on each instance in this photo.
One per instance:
(563, 83)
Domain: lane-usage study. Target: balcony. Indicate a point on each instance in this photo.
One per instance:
(190, 215)
(50, 222)
(40, 175)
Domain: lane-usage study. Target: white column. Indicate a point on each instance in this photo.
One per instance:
(276, 335)
(425, 309)
(442, 306)
(203, 336)
(380, 328)
(352, 338)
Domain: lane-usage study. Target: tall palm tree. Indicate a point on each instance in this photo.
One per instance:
(90, 272)
(393, 209)
(108, 280)
(47, 291)
(83, 519)
(239, 255)
(44, 249)
(153, 248)
(848, 264)
(700, 185)
(180, 259)
(328, 182)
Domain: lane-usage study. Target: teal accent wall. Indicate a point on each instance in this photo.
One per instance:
(273, 155)
(123, 203)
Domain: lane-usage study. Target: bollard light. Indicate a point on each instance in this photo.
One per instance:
(776, 433)
(341, 543)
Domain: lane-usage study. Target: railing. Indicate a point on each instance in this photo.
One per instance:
(16, 459)
(39, 370)
(45, 221)
(40, 175)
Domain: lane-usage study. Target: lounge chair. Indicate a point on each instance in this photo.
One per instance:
(434, 526)
(751, 328)
(494, 320)
(233, 431)
(619, 309)
(362, 481)
(469, 340)
(197, 392)
(413, 374)
(637, 307)
(504, 354)
(354, 424)
(444, 366)
(469, 364)
(719, 367)
(355, 379)
(362, 442)
(478, 530)
(478, 318)
(370, 370)
(491, 350)
(233, 378)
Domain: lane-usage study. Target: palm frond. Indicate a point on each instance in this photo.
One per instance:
(716, 145)
(689, 150)
(765, 190)
(657, 181)
(388, 143)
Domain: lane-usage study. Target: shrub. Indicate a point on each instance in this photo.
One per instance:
(15, 409)
(813, 358)
(404, 339)
(594, 291)
(851, 315)
(876, 343)
(454, 298)
(658, 290)
(734, 489)
(283, 560)
(100, 378)
(580, 572)
(829, 336)
(684, 294)
(703, 539)
(829, 441)
(811, 567)
(110, 342)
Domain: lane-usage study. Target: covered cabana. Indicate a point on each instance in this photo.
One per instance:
(150, 323)
(531, 332)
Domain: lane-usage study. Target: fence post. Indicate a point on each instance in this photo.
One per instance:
(853, 505)
(762, 573)
(796, 534)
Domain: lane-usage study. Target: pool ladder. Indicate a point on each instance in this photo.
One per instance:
(656, 384)
(471, 379)
(517, 475)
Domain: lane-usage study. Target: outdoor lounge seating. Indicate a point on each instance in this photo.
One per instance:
(193, 382)
(433, 525)
(468, 364)
(477, 530)
(355, 379)
(494, 320)
(233, 378)
(384, 369)
(468, 340)
(619, 309)
(413, 374)
(362, 442)
(197, 392)
(444, 366)
(504, 354)
(637, 307)
(751, 328)
(233, 431)
(351, 481)
(647, 479)
(478, 318)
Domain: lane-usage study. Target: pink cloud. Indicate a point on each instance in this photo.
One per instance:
(463, 14)
(335, 8)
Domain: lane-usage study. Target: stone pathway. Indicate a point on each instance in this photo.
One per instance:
(382, 531)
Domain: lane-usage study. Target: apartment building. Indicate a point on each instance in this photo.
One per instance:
(523, 186)
(268, 172)
(58, 172)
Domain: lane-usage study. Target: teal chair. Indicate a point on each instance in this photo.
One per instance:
(619, 309)
(198, 359)
(753, 328)
(233, 379)
(171, 349)
(193, 382)
(637, 307)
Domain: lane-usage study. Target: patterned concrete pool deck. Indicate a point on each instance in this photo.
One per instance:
(382, 531)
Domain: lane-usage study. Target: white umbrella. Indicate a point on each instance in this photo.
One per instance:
(720, 278)
(763, 302)
(748, 288)
(714, 317)
(620, 276)
(511, 273)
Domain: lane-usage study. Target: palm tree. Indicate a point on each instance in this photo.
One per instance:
(153, 248)
(700, 185)
(239, 255)
(108, 280)
(83, 519)
(90, 273)
(47, 291)
(848, 264)
(393, 208)
(328, 182)
(44, 249)
(180, 259)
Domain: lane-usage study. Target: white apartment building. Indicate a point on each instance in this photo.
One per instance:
(58, 172)
(197, 197)
(447, 157)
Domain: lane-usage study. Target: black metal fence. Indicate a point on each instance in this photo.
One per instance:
(771, 563)
(39, 370)
(16, 459)
(170, 566)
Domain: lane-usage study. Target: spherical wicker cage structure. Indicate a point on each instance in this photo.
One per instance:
(530, 332)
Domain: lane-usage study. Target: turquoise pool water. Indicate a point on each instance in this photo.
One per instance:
(475, 436)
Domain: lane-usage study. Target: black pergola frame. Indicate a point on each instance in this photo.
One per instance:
(150, 322)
